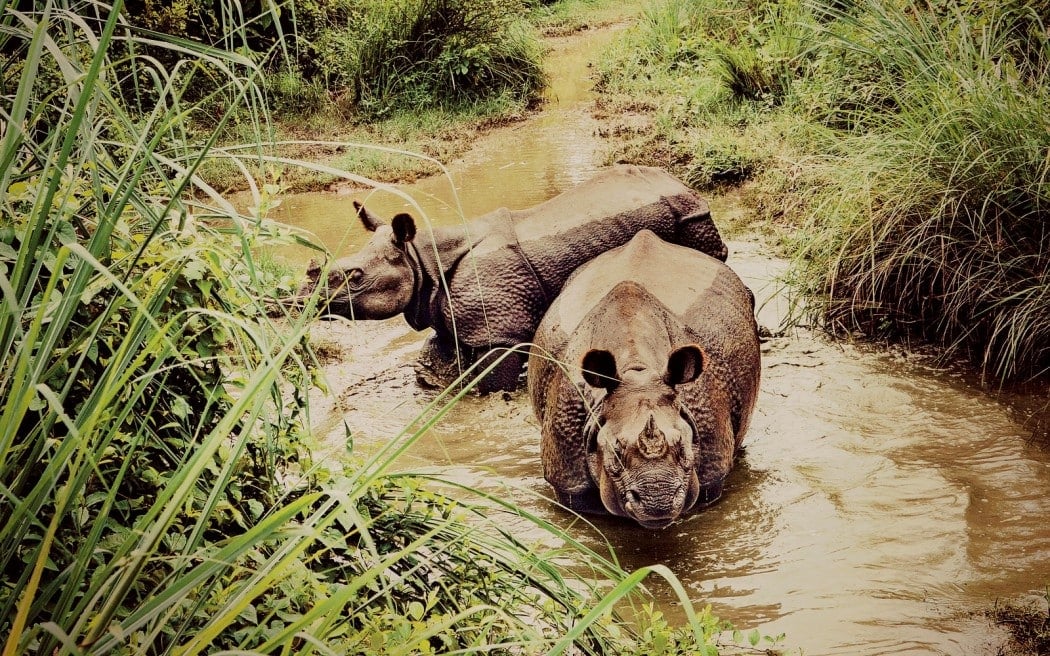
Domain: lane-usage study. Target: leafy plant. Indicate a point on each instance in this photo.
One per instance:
(415, 53)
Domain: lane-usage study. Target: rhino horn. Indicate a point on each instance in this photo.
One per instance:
(651, 440)
(370, 221)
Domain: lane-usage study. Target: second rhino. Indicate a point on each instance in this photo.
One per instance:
(486, 284)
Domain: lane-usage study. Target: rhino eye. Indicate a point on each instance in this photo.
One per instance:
(355, 276)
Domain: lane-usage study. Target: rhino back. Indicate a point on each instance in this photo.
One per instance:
(607, 211)
(611, 192)
(691, 284)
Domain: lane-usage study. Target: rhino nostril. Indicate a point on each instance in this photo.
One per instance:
(632, 497)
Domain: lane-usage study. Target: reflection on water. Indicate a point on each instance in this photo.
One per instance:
(880, 504)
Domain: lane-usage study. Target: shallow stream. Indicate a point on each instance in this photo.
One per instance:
(881, 505)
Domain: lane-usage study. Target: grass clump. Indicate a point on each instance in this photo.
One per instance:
(1028, 623)
(411, 54)
(717, 78)
(934, 225)
(899, 150)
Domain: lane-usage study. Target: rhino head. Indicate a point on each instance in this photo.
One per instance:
(377, 282)
(640, 441)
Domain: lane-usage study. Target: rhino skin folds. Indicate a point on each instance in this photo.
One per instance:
(643, 375)
(485, 285)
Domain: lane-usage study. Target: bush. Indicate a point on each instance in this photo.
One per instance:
(383, 54)
(415, 53)
(934, 224)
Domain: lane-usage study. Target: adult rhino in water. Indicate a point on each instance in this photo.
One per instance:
(643, 375)
(486, 284)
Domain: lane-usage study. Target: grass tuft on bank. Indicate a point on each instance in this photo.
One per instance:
(1028, 623)
(897, 151)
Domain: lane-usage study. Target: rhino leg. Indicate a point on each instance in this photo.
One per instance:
(437, 365)
(506, 374)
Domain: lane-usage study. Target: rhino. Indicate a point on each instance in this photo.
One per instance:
(486, 284)
(643, 375)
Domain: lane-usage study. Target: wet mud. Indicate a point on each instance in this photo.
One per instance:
(881, 504)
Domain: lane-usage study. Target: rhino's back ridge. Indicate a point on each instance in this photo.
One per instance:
(620, 190)
(686, 281)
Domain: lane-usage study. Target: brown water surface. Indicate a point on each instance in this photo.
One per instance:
(881, 503)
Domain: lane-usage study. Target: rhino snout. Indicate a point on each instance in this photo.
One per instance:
(654, 508)
(653, 498)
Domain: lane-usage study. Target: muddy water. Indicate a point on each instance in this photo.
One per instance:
(880, 506)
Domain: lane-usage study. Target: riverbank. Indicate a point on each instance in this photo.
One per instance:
(403, 146)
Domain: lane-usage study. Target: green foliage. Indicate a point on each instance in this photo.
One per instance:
(915, 166)
(375, 55)
(415, 53)
(934, 225)
(128, 326)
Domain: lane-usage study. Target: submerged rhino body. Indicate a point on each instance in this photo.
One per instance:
(643, 375)
(486, 284)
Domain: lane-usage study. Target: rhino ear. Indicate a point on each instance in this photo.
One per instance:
(404, 228)
(599, 369)
(684, 365)
(369, 220)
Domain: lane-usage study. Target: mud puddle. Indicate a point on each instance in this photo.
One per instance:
(881, 504)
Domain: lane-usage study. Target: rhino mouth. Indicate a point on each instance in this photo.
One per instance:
(634, 508)
(655, 525)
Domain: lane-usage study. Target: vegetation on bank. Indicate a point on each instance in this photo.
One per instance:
(1028, 623)
(159, 494)
(421, 76)
(900, 147)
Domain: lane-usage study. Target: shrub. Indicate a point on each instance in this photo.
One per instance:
(935, 223)
(415, 53)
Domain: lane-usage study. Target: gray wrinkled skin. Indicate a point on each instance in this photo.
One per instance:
(643, 375)
(486, 285)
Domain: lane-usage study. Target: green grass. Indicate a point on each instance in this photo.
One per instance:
(934, 226)
(565, 17)
(907, 181)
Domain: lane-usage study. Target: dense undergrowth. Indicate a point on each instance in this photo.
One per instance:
(157, 490)
(899, 147)
(422, 76)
